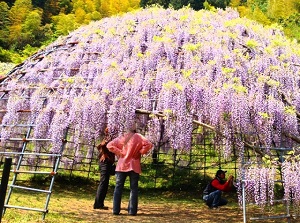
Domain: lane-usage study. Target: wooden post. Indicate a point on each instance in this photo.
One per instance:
(4, 182)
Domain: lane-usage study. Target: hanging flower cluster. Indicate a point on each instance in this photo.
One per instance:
(290, 177)
(213, 67)
(258, 185)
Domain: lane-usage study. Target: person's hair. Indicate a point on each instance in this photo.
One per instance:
(219, 172)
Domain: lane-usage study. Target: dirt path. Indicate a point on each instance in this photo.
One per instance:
(161, 213)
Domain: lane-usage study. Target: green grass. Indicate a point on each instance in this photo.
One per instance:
(72, 201)
(74, 195)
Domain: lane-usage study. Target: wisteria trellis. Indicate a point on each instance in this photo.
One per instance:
(216, 68)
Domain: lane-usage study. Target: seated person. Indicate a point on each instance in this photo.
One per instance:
(213, 191)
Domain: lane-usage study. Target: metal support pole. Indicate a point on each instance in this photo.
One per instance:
(244, 201)
(4, 182)
(244, 189)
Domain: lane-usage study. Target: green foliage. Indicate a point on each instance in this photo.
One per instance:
(208, 6)
(214, 4)
(26, 26)
(9, 56)
(65, 6)
(267, 12)
(31, 28)
(219, 3)
(38, 3)
(269, 161)
(4, 23)
(262, 5)
(291, 25)
(28, 51)
(235, 3)
(260, 16)
(5, 55)
(177, 4)
(51, 9)
(65, 24)
(281, 8)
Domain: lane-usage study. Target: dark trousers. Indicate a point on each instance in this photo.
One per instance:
(103, 185)
(214, 199)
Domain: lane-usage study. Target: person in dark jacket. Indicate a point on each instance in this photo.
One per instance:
(212, 194)
(106, 160)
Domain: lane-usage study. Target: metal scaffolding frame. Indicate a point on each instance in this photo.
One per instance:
(19, 149)
(18, 170)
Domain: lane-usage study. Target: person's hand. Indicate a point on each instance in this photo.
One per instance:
(230, 181)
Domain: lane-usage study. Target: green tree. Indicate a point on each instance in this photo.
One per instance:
(194, 4)
(104, 8)
(261, 4)
(164, 3)
(118, 6)
(4, 24)
(64, 24)
(260, 16)
(97, 4)
(65, 6)
(281, 8)
(292, 26)
(197, 4)
(17, 16)
(143, 3)
(10, 3)
(25, 25)
(235, 3)
(219, 3)
(284, 12)
(85, 11)
(31, 28)
(86, 5)
(134, 4)
(177, 4)
(39, 3)
(51, 9)
(80, 16)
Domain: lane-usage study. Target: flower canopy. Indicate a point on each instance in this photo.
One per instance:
(208, 67)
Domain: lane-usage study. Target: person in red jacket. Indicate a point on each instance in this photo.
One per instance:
(213, 191)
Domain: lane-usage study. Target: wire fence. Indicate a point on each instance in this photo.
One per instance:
(162, 167)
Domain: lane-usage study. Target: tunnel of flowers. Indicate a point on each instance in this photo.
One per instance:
(208, 88)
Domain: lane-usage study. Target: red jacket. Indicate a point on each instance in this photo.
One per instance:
(219, 185)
